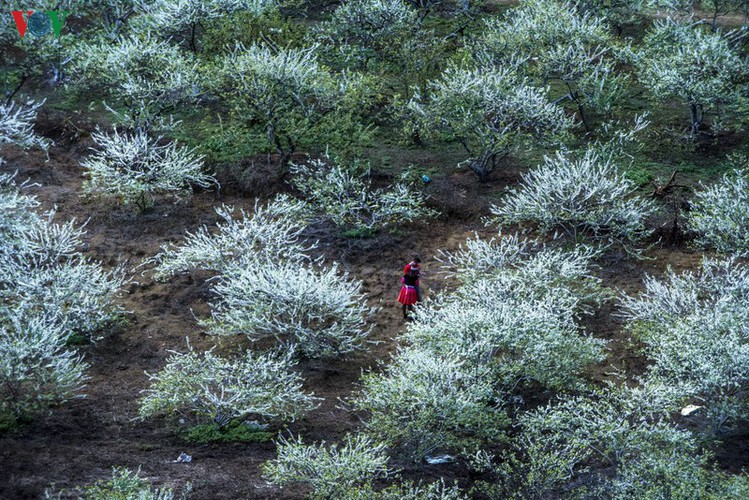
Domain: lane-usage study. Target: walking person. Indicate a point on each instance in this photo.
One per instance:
(414, 266)
(408, 295)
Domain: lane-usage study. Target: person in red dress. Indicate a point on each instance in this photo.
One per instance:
(414, 266)
(408, 295)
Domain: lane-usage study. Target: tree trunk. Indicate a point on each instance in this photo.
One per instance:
(15, 90)
(483, 165)
(575, 97)
(696, 114)
(194, 47)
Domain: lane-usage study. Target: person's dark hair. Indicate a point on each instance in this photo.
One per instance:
(417, 259)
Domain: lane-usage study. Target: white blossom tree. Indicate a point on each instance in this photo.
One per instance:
(694, 329)
(316, 311)
(334, 471)
(241, 241)
(17, 125)
(135, 167)
(206, 387)
(555, 41)
(16, 210)
(427, 403)
(720, 214)
(473, 351)
(491, 112)
(145, 77)
(516, 313)
(287, 92)
(518, 342)
(618, 13)
(580, 196)
(348, 469)
(344, 195)
(269, 286)
(618, 443)
(369, 29)
(717, 8)
(115, 16)
(687, 62)
(684, 7)
(49, 292)
(170, 17)
(37, 369)
(43, 273)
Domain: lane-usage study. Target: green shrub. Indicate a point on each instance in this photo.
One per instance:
(235, 432)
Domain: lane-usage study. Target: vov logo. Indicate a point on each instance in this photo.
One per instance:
(39, 23)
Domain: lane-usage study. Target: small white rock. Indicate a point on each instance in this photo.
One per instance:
(688, 410)
(440, 459)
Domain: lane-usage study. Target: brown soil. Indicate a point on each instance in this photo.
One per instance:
(78, 442)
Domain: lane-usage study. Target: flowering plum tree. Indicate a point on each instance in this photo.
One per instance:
(271, 230)
(210, 388)
(427, 403)
(169, 17)
(286, 91)
(36, 366)
(316, 311)
(563, 446)
(555, 41)
(313, 309)
(17, 125)
(345, 196)
(369, 29)
(720, 214)
(694, 328)
(618, 13)
(333, 472)
(472, 350)
(690, 63)
(43, 274)
(491, 112)
(587, 195)
(49, 291)
(146, 76)
(135, 167)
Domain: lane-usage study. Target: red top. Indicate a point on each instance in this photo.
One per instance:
(412, 266)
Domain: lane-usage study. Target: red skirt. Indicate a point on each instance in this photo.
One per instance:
(408, 296)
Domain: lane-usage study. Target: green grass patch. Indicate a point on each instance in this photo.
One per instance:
(234, 432)
(7, 422)
(642, 173)
(10, 422)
